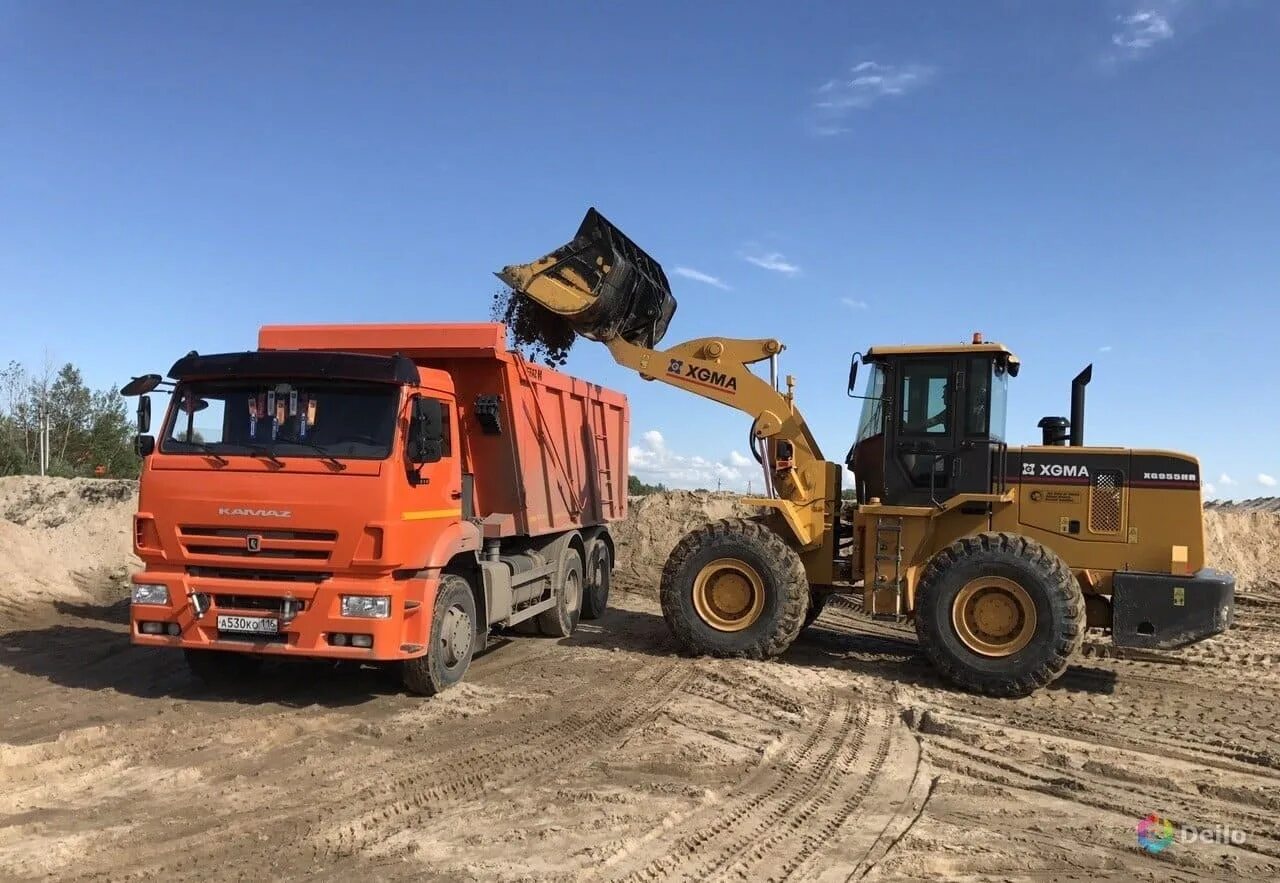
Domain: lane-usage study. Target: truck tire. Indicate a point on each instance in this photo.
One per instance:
(999, 614)
(734, 588)
(222, 668)
(451, 644)
(561, 620)
(599, 576)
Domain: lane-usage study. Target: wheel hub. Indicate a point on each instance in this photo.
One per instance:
(728, 595)
(994, 616)
(455, 635)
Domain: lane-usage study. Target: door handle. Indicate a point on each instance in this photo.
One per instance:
(457, 495)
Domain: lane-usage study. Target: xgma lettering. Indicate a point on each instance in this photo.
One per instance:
(705, 376)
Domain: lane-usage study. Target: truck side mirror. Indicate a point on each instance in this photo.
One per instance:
(426, 431)
(144, 414)
(144, 445)
(853, 373)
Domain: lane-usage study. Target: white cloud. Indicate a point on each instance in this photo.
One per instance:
(773, 261)
(853, 303)
(1209, 488)
(699, 276)
(653, 461)
(1141, 30)
(1226, 480)
(865, 84)
(1104, 349)
(1266, 480)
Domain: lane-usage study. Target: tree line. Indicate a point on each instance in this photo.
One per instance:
(90, 431)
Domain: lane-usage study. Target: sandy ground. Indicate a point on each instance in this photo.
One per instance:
(609, 756)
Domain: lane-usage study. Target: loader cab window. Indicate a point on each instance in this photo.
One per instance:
(999, 401)
(872, 420)
(926, 398)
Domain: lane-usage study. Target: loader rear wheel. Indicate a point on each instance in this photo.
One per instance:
(222, 668)
(734, 588)
(599, 576)
(999, 614)
(451, 643)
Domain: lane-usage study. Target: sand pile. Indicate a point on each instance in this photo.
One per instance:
(656, 523)
(54, 532)
(1244, 539)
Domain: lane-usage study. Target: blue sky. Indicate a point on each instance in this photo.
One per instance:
(1086, 182)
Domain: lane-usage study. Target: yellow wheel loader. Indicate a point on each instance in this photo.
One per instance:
(1002, 556)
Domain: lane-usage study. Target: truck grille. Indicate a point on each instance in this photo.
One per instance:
(251, 544)
(253, 602)
(278, 576)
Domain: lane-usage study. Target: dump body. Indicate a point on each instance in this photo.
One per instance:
(313, 497)
(546, 449)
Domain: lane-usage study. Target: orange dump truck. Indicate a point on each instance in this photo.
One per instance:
(375, 493)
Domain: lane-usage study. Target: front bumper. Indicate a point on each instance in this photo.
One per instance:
(1162, 611)
(402, 635)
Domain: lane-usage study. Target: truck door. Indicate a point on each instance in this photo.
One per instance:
(436, 494)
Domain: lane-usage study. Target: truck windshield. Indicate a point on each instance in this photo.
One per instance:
(307, 418)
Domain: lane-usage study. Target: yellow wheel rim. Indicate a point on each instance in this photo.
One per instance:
(728, 595)
(994, 616)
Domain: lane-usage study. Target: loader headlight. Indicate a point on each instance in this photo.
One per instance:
(144, 593)
(366, 606)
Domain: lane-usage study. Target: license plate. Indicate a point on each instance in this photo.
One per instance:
(258, 625)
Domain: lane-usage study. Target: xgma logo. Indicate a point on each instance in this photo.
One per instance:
(702, 375)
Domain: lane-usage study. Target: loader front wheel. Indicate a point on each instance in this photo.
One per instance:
(999, 614)
(734, 588)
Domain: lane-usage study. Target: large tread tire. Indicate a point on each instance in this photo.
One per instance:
(222, 668)
(562, 619)
(786, 589)
(598, 578)
(1059, 606)
(432, 672)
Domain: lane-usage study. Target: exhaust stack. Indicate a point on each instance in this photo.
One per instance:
(1077, 405)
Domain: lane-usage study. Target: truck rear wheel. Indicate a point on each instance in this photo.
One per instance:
(222, 668)
(561, 620)
(599, 576)
(999, 614)
(452, 641)
(734, 588)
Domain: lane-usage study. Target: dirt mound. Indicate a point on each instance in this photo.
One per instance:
(1244, 540)
(58, 536)
(656, 523)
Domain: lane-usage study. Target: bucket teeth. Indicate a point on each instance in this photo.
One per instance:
(604, 284)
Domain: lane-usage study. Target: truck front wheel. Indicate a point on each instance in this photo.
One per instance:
(734, 588)
(452, 641)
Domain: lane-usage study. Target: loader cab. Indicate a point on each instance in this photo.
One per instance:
(932, 424)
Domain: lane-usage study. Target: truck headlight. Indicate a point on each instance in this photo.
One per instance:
(366, 606)
(150, 594)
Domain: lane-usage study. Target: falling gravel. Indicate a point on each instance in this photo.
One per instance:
(535, 332)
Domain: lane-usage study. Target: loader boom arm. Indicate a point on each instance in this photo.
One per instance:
(716, 369)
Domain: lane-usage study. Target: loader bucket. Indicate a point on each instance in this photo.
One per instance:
(602, 283)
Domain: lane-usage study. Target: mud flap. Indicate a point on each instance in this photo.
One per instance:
(1162, 611)
(604, 284)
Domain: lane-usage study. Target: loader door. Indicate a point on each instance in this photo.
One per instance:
(938, 430)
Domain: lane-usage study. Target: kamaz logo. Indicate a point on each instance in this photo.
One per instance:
(1054, 470)
(701, 375)
(256, 513)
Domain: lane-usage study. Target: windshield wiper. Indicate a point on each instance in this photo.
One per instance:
(325, 456)
(203, 447)
(265, 452)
